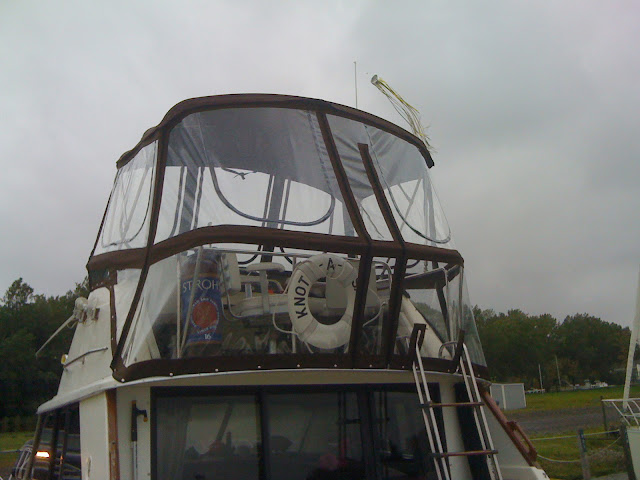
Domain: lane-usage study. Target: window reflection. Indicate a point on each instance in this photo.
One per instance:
(207, 438)
(338, 435)
(402, 436)
(315, 436)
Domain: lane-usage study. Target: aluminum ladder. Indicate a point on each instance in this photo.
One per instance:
(463, 365)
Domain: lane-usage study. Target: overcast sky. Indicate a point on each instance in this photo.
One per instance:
(533, 110)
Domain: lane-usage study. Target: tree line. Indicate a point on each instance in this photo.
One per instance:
(27, 320)
(520, 348)
(517, 347)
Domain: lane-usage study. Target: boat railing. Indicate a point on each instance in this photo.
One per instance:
(627, 408)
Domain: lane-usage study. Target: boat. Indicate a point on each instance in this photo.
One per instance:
(275, 295)
(628, 408)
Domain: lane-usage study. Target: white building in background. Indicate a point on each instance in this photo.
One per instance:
(509, 396)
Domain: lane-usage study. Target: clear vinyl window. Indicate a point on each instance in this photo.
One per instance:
(235, 300)
(404, 177)
(435, 298)
(126, 223)
(265, 167)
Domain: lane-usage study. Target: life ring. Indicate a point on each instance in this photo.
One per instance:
(309, 330)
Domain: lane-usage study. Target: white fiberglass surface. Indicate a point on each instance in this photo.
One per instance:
(404, 176)
(126, 224)
(250, 166)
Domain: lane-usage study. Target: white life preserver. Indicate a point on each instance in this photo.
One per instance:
(309, 330)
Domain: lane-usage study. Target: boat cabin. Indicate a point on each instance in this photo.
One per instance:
(275, 295)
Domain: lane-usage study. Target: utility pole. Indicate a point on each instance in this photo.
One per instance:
(540, 373)
(558, 370)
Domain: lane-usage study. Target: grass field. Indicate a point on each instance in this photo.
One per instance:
(575, 398)
(11, 441)
(561, 456)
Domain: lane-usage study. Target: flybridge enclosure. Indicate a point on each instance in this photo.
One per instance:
(231, 199)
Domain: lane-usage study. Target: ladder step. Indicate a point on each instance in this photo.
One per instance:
(454, 404)
(469, 453)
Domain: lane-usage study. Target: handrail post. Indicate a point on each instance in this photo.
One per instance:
(582, 446)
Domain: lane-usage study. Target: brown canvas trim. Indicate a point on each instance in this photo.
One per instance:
(237, 363)
(404, 362)
(268, 237)
(390, 325)
(263, 100)
(358, 224)
(126, 157)
(372, 175)
(118, 260)
(342, 179)
(216, 364)
(362, 287)
(113, 319)
(436, 254)
(134, 258)
(153, 225)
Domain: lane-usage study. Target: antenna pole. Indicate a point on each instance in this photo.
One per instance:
(355, 79)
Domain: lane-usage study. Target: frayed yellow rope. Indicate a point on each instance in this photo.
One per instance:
(406, 111)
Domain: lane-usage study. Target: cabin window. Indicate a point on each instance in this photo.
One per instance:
(436, 296)
(314, 436)
(403, 440)
(205, 437)
(376, 309)
(123, 292)
(265, 167)
(126, 224)
(347, 135)
(210, 302)
(278, 434)
(404, 176)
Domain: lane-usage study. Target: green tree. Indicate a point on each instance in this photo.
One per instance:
(17, 295)
(596, 346)
(515, 344)
(27, 320)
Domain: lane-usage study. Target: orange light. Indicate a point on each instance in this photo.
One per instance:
(42, 454)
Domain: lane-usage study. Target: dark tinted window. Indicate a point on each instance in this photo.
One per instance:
(337, 435)
(315, 436)
(402, 436)
(207, 437)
